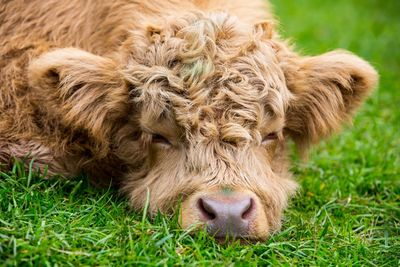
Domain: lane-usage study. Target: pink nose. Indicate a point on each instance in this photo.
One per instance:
(227, 216)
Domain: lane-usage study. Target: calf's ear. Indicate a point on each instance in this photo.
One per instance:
(70, 68)
(326, 89)
(84, 90)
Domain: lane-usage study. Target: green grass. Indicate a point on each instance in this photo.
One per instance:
(347, 213)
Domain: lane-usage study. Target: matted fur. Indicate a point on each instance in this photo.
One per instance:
(87, 86)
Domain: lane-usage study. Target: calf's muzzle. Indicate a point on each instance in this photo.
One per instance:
(226, 216)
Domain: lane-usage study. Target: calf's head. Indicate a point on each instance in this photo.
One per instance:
(202, 113)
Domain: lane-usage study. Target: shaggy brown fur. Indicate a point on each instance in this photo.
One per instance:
(171, 97)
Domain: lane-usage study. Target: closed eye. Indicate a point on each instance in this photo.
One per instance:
(159, 139)
(270, 137)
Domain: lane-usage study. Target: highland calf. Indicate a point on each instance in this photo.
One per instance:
(187, 100)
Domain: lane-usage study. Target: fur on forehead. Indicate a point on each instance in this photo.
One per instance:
(207, 68)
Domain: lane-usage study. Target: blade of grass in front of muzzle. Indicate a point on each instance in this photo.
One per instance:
(146, 206)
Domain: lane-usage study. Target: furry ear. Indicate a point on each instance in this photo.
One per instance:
(327, 89)
(71, 66)
(85, 91)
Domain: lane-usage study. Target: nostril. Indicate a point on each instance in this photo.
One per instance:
(248, 209)
(206, 210)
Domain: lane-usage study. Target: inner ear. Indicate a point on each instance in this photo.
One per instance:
(53, 77)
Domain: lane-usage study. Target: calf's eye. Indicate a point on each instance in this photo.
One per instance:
(270, 137)
(159, 139)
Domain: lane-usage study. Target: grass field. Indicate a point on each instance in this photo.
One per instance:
(347, 213)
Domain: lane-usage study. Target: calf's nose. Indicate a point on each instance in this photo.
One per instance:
(227, 216)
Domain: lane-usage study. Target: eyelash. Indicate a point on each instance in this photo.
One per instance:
(159, 139)
(270, 137)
